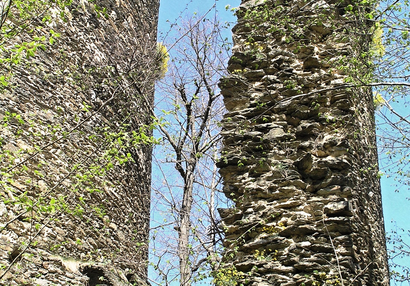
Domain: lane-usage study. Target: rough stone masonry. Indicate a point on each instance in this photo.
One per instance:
(75, 146)
(299, 157)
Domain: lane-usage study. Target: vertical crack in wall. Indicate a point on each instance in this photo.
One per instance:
(301, 169)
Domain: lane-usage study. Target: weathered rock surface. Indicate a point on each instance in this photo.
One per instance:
(74, 206)
(301, 166)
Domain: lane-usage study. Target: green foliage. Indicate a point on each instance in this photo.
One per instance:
(320, 278)
(21, 18)
(377, 46)
(378, 100)
(162, 60)
(228, 276)
(59, 160)
(392, 113)
(265, 255)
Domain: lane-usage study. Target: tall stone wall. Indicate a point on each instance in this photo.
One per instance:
(75, 142)
(299, 159)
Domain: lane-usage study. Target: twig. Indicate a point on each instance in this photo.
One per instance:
(360, 273)
(25, 248)
(334, 249)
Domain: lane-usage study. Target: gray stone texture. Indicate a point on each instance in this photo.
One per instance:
(300, 169)
(62, 221)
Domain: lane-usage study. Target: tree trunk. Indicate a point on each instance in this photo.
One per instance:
(185, 228)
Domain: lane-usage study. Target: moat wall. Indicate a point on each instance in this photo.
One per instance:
(75, 145)
(299, 157)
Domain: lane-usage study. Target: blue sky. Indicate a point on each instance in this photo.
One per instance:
(396, 208)
(173, 12)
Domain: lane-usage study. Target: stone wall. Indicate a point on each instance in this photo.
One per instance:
(75, 143)
(299, 159)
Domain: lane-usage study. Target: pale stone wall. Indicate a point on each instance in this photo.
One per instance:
(75, 197)
(301, 170)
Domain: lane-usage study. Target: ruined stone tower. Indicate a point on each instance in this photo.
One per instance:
(75, 148)
(299, 159)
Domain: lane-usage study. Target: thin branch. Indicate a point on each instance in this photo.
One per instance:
(334, 248)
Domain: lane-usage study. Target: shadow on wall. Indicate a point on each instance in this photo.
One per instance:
(97, 276)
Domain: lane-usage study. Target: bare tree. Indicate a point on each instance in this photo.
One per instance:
(392, 66)
(183, 212)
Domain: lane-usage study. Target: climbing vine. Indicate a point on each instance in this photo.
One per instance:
(76, 134)
(294, 66)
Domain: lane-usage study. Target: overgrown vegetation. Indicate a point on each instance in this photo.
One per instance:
(32, 145)
(76, 129)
